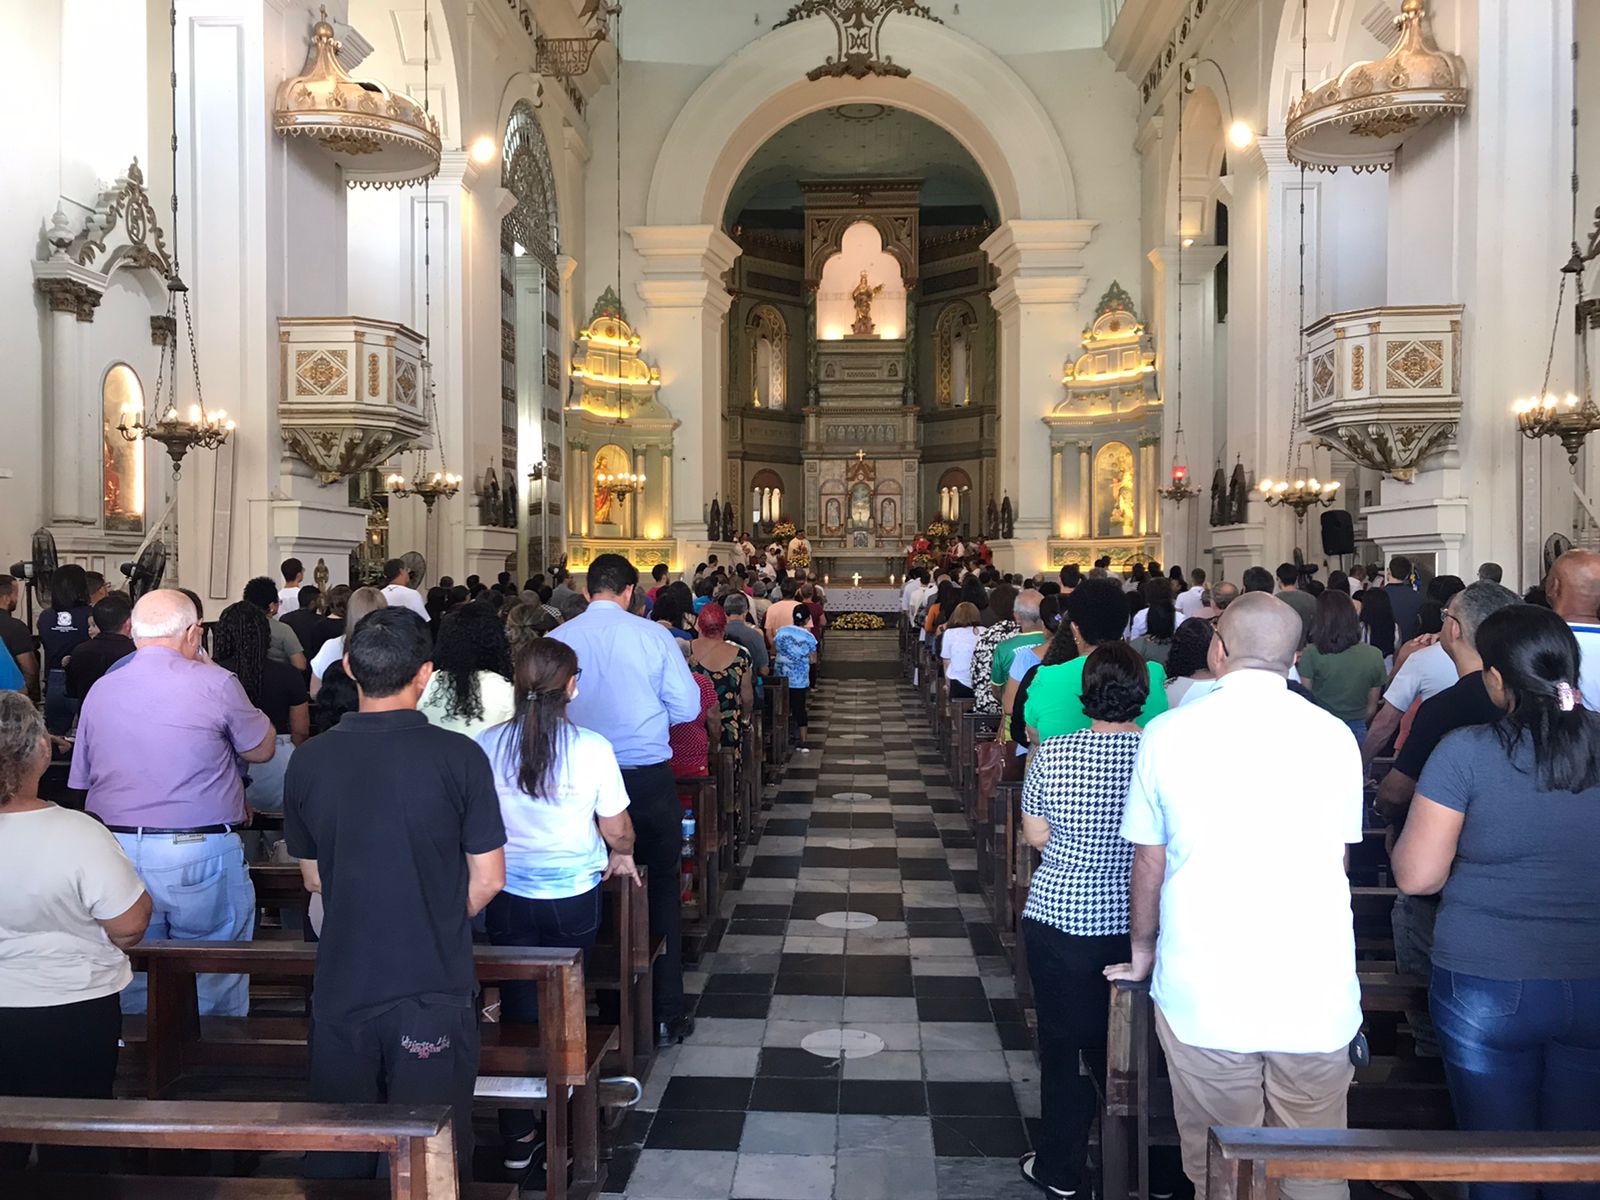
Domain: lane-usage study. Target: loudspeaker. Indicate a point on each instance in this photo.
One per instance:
(1338, 532)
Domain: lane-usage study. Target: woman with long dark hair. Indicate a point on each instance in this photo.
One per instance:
(1506, 823)
(1345, 675)
(1160, 622)
(471, 685)
(239, 644)
(567, 830)
(1377, 620)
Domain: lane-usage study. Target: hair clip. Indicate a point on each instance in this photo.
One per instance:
(1565, 697)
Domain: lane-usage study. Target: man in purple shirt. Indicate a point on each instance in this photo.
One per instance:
(157, 750)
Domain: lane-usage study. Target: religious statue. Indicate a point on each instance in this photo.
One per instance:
(991, 520)
(862, 299)
(1238, 497)
(489, 508)
(510, 499)
(1219, 497)
(1122, 501)
(1008, 521)
(727, 523)
(603, 499)
(714, 522)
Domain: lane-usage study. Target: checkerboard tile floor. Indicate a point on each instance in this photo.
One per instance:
(741, 1110)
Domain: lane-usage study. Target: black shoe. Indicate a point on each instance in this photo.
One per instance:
(520, 1153)
(672, 1033)
(1025, 1165)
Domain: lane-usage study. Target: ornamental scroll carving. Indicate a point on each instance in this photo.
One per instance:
(859, 24)
(127, 204)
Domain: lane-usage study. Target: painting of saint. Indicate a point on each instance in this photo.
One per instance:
(603, 500)
(1114, 491)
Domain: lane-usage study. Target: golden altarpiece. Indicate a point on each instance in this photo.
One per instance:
(1105, 443)
(619, 446)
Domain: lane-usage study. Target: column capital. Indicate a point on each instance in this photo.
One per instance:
(456, 167)
(1198, 261)
(1269, 153)
(1040, 262)
(684, 266)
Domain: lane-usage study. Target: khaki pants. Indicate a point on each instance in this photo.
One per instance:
(1293, 1091)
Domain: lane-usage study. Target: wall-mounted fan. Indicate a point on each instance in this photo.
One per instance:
(38, 569)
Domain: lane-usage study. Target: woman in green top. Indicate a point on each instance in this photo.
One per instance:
(1345, 676)
(1097, 613)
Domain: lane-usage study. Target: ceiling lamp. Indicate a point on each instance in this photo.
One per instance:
(385, 139)
(1360, 118)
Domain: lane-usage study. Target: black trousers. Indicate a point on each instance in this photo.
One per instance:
(65, 1050)
(797, 706)
(422, 1051)
(658, 828)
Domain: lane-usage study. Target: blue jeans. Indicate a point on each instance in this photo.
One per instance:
(200, 887)
(1359, 728)
(1412, 921)
(1521, 1054)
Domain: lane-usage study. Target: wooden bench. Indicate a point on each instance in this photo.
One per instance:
(698, 794)
(775, 690)
(1246, 1164)
(975, 727)
(419, 1142)
(186, 1054)
(956, 710)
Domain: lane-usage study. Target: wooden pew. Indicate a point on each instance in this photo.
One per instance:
(775, 689)
(1136, 1096)
(974, 728)
(1246, 1164)
(698, 794)
(253, 1054)
(955, 712)
(419, 1142)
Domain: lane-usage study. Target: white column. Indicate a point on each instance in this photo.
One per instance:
(74, 425)
(685, 304)
(1042, 282)
(1086, 522)
(1058, 491)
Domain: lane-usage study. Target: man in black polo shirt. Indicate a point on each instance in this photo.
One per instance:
(396, 823)
(1464, 703)
(15, 635)
(113, 619)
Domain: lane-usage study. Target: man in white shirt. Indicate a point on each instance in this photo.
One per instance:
(910, 589)
(1189, 603)
(397, 589)
(1574, 592)
(1423, 675)
(1255, 971)
(294, 577)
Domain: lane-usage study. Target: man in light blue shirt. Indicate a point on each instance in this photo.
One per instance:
(635, 686)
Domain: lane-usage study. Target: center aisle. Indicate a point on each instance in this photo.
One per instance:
(860, 912)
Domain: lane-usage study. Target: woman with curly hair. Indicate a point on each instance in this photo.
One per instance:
(471, 685)
(71, 907)
(239, 644)
(525, 623)
(1188, 674)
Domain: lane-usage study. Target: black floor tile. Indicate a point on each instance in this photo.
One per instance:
(775, 927)
(619, 1169)
(772, 866)
(859, 859)
(936, 929)
(952, 987)
(738, 983)
(916, 829)
(795, 1095)
(947, 1008)
(972, 1100)
(811, 985)
(924, 868)
(876, 986)
(957, 841)
(966, 883)
(1014, 1036)
(761, 912)
(706, 1092)
(872, 820)
(916, 913)
(635, 1127)
(786, 1062)
(883, 1097)
(696, 1130)
(812, 964)
(744, 1008)
(795, 796)
(786, 826)
(1006, 1011)
(830, 820)
(985, 940)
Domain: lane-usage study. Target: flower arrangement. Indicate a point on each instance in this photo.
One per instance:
(801, 560)
(924, 560)
(938, 529)
(860, 621)
(784, 529)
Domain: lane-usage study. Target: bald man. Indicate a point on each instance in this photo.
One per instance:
(1573, 589)
(1241, 808)
(169, 789)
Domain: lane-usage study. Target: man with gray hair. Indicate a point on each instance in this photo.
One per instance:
(1224, 594)
(1224, 867)
(742, 633)
(1465, 703)
(1025, 611)
(156, 749)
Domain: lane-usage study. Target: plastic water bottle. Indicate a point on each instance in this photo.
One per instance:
(688, 835)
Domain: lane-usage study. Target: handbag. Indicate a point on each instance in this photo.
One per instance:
(991, 757)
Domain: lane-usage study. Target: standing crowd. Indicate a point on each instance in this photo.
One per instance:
(473, 761)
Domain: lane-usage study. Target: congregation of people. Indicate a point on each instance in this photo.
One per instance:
(469, 762)
(1197, 758)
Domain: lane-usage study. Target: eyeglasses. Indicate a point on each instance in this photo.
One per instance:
(1452, 616)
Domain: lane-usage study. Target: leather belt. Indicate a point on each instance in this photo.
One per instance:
(229, 828)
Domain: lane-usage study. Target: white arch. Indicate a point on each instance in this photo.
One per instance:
(955, 83)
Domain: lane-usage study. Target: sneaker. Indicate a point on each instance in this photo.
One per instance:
(672, 1033)
(1025, 1165)
(519, 1154)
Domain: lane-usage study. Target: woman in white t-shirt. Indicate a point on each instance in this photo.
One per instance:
(70, 906)
(470, 690)
(959, 640)
(567, 830)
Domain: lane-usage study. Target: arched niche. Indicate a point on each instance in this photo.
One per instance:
(122, 488)
(954, 500)
(768, 335)
(610, 459)
(1116, 507)
(861, 252)
(953, 355)
(766, 500)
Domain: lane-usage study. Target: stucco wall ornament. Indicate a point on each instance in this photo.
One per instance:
(859, 24)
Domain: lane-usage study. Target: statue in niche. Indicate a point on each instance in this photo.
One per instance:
(860, 506)
(510, 498)
(833, 514)
(1008, 519)
(862, 298)
(727, 523)
(603, 500)
(1219, 497)
(489, 507)
(1122, 502)
(1113, 491)
(714, 522)
(991, 520)
(889, 517)
(1238, 497)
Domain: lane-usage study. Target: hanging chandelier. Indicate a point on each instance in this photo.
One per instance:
(385, 138)
(199, 427)
(441, 484)
(1569, 420)
(1304, 493)
(620, 486)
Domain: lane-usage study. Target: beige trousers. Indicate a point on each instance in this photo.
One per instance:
(1293, 1091)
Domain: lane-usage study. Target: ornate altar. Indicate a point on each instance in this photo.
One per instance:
(1105, 442)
